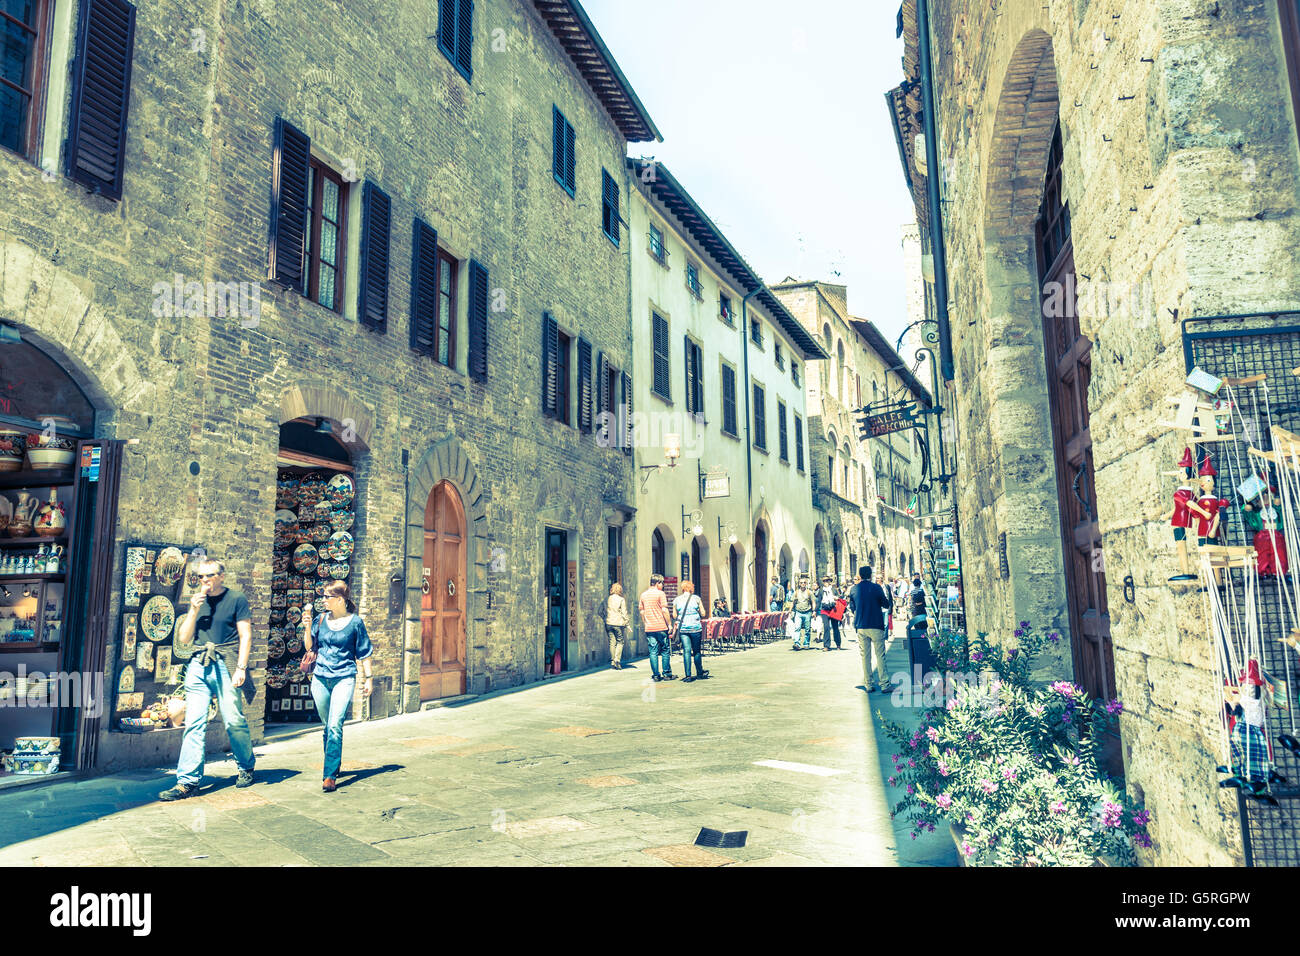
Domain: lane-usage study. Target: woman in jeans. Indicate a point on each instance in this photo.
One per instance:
(616, 621)
(689, 612)
(340, 641)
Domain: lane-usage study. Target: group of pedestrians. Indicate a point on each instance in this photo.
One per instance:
(683, 618)
(219, 626)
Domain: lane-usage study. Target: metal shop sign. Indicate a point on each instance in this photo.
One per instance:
(716, 485)
(886, 423)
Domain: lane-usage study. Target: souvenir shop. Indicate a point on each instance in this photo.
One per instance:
(58, 512)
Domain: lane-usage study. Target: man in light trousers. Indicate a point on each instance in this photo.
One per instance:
(870, 603)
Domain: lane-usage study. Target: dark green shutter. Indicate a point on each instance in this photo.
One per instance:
(550, 365)
(699, 382)
(662, 366)
(557, 143)
(584, 385)
(465, 37)
(478, 322)
(570, 179)
(101, 93)
(376, 220)
(424, 289)
(629, 433)
(447, 27)
(290, 171)
(689, 364)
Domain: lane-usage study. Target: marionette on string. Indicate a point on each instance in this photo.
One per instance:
(1207, 506)
(1181, 517)
(1251, 758)
(1262, 519)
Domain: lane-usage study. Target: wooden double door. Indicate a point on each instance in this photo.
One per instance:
(442, 605)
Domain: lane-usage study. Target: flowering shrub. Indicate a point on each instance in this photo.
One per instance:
(1014, 764)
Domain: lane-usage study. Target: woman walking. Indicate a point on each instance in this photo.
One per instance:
(616, 624)
(831, 612)
(340, 642)
(689, 612)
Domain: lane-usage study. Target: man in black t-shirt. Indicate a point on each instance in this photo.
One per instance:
(220, 617)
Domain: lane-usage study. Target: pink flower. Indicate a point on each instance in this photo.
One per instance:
(987, 785)
(1058, 807)
(967, 849)
(910, 790)
(1110, 814)
(932, 734)
(943, 769)
(1009, 774)
(943, 800)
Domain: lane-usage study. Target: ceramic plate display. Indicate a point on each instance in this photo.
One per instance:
(280, 561)
(341, 545)
(276, 617)
(320, 533)
(275, 678)
(301, 536)
(342, 520)
(340, 490)
(170, 566)
(275, 648)
(279, 599)
(323, 569)
(293, 615)
(297, 582)
(157, 618)
(323, 510)
(340, 570)
(305, 558)
(131, 589)
(280, 580)
(296, 598)
(293, 643)
(285, 517)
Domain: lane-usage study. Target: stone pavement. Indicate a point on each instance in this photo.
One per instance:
(606, 769)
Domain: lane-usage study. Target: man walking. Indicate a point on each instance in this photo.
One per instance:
(802, 602)
(220, 626)
(870, 602)
(776, 595)
(657, 619)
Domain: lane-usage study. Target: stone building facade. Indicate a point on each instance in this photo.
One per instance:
(468, 128)
(721, 363)
(862, 488)
(1167, 134)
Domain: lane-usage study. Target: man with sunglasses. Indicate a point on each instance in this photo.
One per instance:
(218, 617)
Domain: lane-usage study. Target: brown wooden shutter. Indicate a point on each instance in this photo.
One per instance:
(584, 385)
(101, 93)
(290, 171)
(629, 433)
(465, 37)
(689, 353)
(376, 220)
(424, 289)
(478, 321)
(550, 365)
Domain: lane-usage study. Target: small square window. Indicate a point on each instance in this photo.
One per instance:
(724, 309)
(756, 332)
(780, 359)
(656, 246)
(693, 280)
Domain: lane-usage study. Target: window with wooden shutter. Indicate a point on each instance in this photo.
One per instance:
(562, 156)
(424, 290)
(601, 390)
(444, 349)
(22, 87)
(760, 418)
(662, 384)
(729, 401)
(609, 206)
(798, 442)
(694, 364)
(782, 437)
(327, 203)
(101, 92)
(455, 34)
(550, 365)
(564, 357)
(629, 432)
(699, 383)
(584, 385)
(290, 182)
(372, 294)
(688, 365)
(478, 322)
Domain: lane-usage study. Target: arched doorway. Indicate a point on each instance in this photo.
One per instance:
(442, 607)
(760, 566)
(784, 566)
(700, 568)
(658, 553)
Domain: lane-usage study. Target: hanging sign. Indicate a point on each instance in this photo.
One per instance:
(573, 600)
(717, 484)
(886, 423)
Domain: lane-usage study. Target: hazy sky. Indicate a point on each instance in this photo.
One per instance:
(780, 133)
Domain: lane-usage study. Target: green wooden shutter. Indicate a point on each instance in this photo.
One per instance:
(478, 322)
(290, 171)
(550, 365)
(101, 94)
(584, 385)
(629, 433)
(465, 37)
(424, 289)
(372, 294)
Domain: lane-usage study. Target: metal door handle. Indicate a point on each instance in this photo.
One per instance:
(451, 588)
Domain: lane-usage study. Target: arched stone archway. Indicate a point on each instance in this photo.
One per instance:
(353, 422)
(445, 461)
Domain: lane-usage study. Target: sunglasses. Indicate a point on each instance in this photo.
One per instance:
(214, 574)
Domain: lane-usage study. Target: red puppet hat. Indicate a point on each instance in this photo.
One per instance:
(1187, 461)
(1251, 675)
(1207, 469)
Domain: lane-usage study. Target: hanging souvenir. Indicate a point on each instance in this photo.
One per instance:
(280, 560)
(1181, 517)
(126, 680)
(129, 631)
(339, 570)
(1207, 505)
(341, 546)
(342, 520)
(293, 615)
(275, 648)
(305, 558)
(323, 569)
(1263, 519)
(157, 618)
(131, 584)
(170, 566)
(340, 491)
(285, 518)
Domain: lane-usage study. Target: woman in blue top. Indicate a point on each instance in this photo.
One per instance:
(689, 613)
(340, 641)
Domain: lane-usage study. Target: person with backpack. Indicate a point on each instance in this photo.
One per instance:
(870, 602)
(689, 611)
(776, 596)
(802, 602)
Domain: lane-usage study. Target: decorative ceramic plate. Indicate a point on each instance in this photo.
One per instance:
(323, 569)
(134, 564)
(305, 558)
(275, 648)
(323, 510)
(294, 615)
(157, 618)
(293, 643)
(342, 520)
(340, 570)
(340, 490)
(276, 616)
(320, 588)
(280, 580)
(285, 517)
(320, 533)
(341, 545)
(279, 599)
(182, 652)
(170, 566)
(275, 678)
(296, 676)
(297, 582)
(301, 536)
(320, 606)
(280, 561)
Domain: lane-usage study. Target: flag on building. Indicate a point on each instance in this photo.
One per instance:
(911, 506)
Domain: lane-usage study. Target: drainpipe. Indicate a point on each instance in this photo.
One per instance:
(933, 167)
(749, 443)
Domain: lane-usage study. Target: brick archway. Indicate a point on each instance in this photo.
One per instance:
(353, 418)
(1022, 137)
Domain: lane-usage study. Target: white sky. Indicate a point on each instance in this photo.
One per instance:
(780, 133)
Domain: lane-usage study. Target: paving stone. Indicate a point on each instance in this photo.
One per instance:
(688, 855)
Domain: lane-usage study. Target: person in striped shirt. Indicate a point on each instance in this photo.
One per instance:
(658, 621)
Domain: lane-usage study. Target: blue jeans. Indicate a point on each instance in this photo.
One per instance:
(659, 648)
(201, 685)
(692, 643)
(333, 695)
(804, 620)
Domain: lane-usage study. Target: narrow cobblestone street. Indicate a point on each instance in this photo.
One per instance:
(599, 769)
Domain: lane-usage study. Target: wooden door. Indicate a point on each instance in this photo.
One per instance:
(1069, 370)
(442, 606)
(761, 600)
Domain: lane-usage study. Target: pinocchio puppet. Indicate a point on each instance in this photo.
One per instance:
(1261, 516)
(1207, 506)
(1181, 517)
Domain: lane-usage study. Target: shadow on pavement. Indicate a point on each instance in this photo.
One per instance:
(352, 776)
